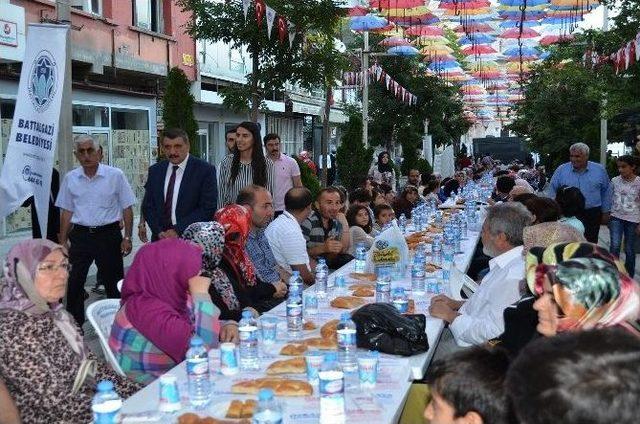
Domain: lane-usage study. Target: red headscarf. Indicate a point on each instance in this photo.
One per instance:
(236, 221)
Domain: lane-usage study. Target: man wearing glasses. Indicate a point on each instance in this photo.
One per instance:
(93, 199)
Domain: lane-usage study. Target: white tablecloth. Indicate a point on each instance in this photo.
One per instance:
(383, 404)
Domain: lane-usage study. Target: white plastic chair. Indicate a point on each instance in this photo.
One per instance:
(461, 282)
(469, 287)
(119, 285)
(101, 315)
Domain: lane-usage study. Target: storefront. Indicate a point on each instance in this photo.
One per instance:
(125, 126)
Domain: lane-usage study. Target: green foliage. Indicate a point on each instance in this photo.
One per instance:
(309, 179)
(353, 158)
(312, 61)
(178, 106)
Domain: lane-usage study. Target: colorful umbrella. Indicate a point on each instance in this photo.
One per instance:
(394, 41)
(520, 33)
(358, 11)
(547, 40)
(403, 51)
(476, 38)
(399, 4)
(367, 23)
(479, 49)
(424, 30)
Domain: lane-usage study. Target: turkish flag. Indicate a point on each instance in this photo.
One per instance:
(260, 11)
(282, 28)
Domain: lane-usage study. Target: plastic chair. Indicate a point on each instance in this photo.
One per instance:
(469, 287)
(119, 285)
(101, 315)
(460, 282)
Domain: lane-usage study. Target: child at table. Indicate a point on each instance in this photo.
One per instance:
(468, 387)
(383, 215)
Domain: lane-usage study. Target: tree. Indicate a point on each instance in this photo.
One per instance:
(307, 62)
(353, 158)
(178, 107)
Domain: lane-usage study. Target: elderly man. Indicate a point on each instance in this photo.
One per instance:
(93, 199)
(480, 318)
(285, 235)
(327, 231)
(592, 181)
(259, 201)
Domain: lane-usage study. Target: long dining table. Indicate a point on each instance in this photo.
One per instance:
(383, 404)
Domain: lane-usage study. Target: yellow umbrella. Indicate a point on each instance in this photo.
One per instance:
(396, 32)
(414, 11)
(428, 40)
(481, 11)
(515, 67)
(436, 50)
(517, 8)
(575, 3)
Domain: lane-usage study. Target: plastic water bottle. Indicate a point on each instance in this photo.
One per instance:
(436, 251)
(402, 223)
(269, 410)
(295, 284)
(294, 316)
(360, 257)
(248, 335)
(198, 373)
(322, 277)
(383, 289)
(332, 410)
(400, 300)
(106, 404)
(346, 330)
(417, 276)
(432, 283)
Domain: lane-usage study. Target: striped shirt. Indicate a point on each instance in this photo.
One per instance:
(140, 359)
(228, 190)
(314, 232)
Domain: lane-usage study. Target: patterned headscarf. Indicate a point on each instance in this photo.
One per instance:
(236, 221)
(18, 290)
(548, 233)
(210, 237)
(588, 284)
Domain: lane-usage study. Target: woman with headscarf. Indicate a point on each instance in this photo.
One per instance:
(382, 172)
(236, 263)
(48, 371)
(570, 286)
(165, 301)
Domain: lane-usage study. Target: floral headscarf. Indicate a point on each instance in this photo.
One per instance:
(210, 237)
(236, 221)
(548, 233)
(18, 291)
(588, 284)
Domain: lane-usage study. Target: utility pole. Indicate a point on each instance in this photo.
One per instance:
(603, 120)
(365, 90)
(65, 130)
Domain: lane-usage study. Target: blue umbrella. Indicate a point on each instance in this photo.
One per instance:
(439, 66)
(526, 51)
(367, 23)
(403, 51)
(522, 2)
(560, 21)
(477, 38)
(544, 55)
(516, 24)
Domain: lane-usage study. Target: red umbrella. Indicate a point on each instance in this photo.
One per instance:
(552, 39)
(394, 42)
(424, 30)
(469, 5)
(395, 4)
(474, 27)
(515, 33)
(479, 49)
(358, 11)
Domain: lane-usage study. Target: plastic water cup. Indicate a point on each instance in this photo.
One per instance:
(310, 302)
(169, 394)
(314, 361)
(269, 327)
(368, 370)
(228, 359)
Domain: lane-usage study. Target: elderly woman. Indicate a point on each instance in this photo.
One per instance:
(165, 301)
(47, 370)
(228, 292)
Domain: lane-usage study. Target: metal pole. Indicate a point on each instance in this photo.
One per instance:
(65, 131)
(603, 120)
(365, 90)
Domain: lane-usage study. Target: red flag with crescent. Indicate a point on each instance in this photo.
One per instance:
(260, 11)
(282, 28)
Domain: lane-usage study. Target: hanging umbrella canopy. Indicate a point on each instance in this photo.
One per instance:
(475, 27)
(440, 57)
(443, 65)
(479, 49)
(358, 11)
(464, 11)
(394, 41)
(391, 32)
(425, 30)
(427, 19)
(430, 40)
(518, 8)
(576, 4)
(521, 51)
(367, 23)
(436, 50)
(395, 4)
(414, 11)
(518, 24)
(403, 51)
(476, 38)
(520, 33)
(547, 40)
(468, 5)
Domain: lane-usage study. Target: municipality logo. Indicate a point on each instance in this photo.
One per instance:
(43, 81)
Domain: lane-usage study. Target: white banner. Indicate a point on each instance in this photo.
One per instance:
(28, 164)
(271, 17)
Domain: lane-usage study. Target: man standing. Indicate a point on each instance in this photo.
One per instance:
(480, 318)
(327, 231)
(230, 139)
(179, 191)
(286, 171)
(592, 181)
(93, 199)
(258, 200)
(285, 234)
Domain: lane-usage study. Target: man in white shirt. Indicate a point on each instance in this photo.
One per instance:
(285, 236)
(480, 318)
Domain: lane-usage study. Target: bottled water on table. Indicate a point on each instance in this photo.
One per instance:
(346, 331)
(248, 335)
(268, 410)
(360, 262)
(294, 315)
(432, 283)
(402, 223)
(198, 373)
(400, 300)
(310, 298)
(332, 410)
(106, 404)
(436, 250)
(383, 289)
(322, 277)
(295, 284)
(418, 275)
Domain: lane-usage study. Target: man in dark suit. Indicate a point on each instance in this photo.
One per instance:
(179, 191)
